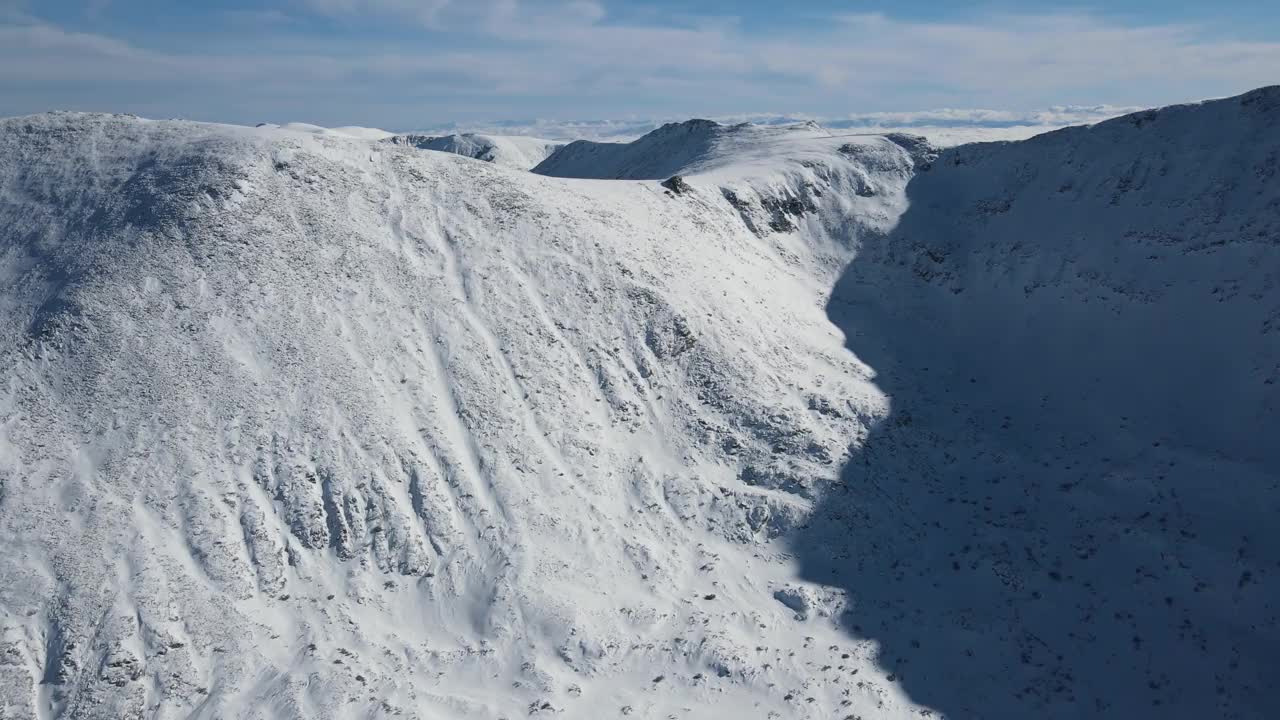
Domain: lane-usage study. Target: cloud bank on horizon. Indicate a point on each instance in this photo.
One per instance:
(944, 126)
(413, 64)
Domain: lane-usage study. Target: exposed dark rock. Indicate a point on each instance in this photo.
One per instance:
(677, 184)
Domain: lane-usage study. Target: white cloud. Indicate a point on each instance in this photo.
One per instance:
(950, 125)
(978, 117)
(426, 12)
(258, 17)
(571, 58)
(494, 16)
(1035, 57)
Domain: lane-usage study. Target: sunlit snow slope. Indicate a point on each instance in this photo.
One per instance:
(685, 147)
(515, 151)
(304, 426)
(301, 425)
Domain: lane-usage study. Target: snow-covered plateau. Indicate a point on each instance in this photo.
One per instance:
(299, 423)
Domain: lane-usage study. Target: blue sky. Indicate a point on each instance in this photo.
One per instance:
(418, 63)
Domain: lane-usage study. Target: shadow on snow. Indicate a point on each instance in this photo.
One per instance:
(1051, 523)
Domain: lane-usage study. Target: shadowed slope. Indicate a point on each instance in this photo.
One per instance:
(1070, 510)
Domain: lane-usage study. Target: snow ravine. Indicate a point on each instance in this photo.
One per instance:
(310, 425)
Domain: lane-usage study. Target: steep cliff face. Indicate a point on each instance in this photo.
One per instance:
(299, 425)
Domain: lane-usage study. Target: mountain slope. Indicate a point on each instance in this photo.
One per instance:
(691, 146)
(1071, 502)
(304, 426)
(301, 425)
(515, 151)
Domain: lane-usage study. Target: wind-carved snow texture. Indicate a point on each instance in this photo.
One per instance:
(300, 425)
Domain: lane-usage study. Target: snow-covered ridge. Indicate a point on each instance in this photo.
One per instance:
(358, 133)
(300, 425)
(514, 151)
(686, 147)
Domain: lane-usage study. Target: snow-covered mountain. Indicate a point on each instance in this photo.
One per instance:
(361, 133)
(306, 425)
(1070, 510)
(296, 425)
(686, 147)
(515, 151)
